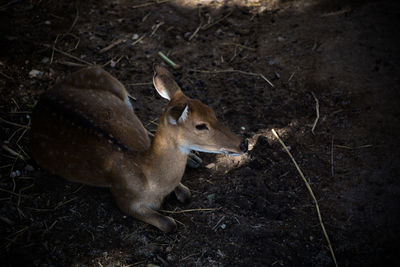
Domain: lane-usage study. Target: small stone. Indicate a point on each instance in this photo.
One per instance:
(243, 128)
(47, 22)
(218, 32)
(311, 238)
(135, 36)
(13, 175)
(210, 166)
(281, 39)
(277, 75)
(34, 73)
(18, 173)
(45, 60)
(210, 197)
(29, 168)
(223, 226)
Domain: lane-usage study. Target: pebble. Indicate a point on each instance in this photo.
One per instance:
(29, 168)
(34, 73)
(223, 226)
(210, 166)
(135, 36)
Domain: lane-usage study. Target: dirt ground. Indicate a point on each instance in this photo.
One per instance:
(345, 54)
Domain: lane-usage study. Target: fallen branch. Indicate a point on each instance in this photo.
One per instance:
(312, 195)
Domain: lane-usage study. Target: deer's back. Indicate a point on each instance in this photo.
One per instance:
(82, 135)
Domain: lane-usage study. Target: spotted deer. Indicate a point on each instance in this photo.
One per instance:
(84, 129)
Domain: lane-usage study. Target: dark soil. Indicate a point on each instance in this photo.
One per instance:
(345, 53)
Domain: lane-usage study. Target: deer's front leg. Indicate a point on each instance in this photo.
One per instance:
(182, 193)
(142, 211)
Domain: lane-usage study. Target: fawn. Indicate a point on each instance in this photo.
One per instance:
(84, 129)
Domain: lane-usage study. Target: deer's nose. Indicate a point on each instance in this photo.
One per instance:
(244, 146)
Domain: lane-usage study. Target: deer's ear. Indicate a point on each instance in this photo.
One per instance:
(164, 82)
(178, 114)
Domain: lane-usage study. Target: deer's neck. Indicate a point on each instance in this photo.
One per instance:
(165, 160)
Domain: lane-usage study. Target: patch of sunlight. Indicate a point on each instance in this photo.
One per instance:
(261, 5)
(224, 163)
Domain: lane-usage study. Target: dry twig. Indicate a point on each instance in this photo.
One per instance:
(108, 47)
(169, 61)
(139, 39)
(189, 210)
(241, 46)
(312, 195)
(317, 111)
(74, 22)
(237, 71)
(68, 55)
(155, 28)
(5, 75)
(157, 2)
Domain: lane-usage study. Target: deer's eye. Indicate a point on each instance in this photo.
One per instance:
(201, 127)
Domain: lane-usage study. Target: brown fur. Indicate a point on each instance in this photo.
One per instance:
(84, 130)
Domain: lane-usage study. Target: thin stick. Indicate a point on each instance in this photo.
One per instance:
(216, 225)
(237, 71)
(348, 147)
(317, 111)
(131, 97)
(54, 45)
(68, 55)
(74, 22)
(311, 193)
(108, 47)
(169, 61)
(11, 151)
(187, 257)
(195, 32)
(12, 193)
(189, 210)
(152, 3)
(14, 124)
(291, 76)
(65, 203)
(138, 40)
(155, 28)
(5, 75)
(206, 27)
(241, 46)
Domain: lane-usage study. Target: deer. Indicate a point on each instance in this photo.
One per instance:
(84, 129)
